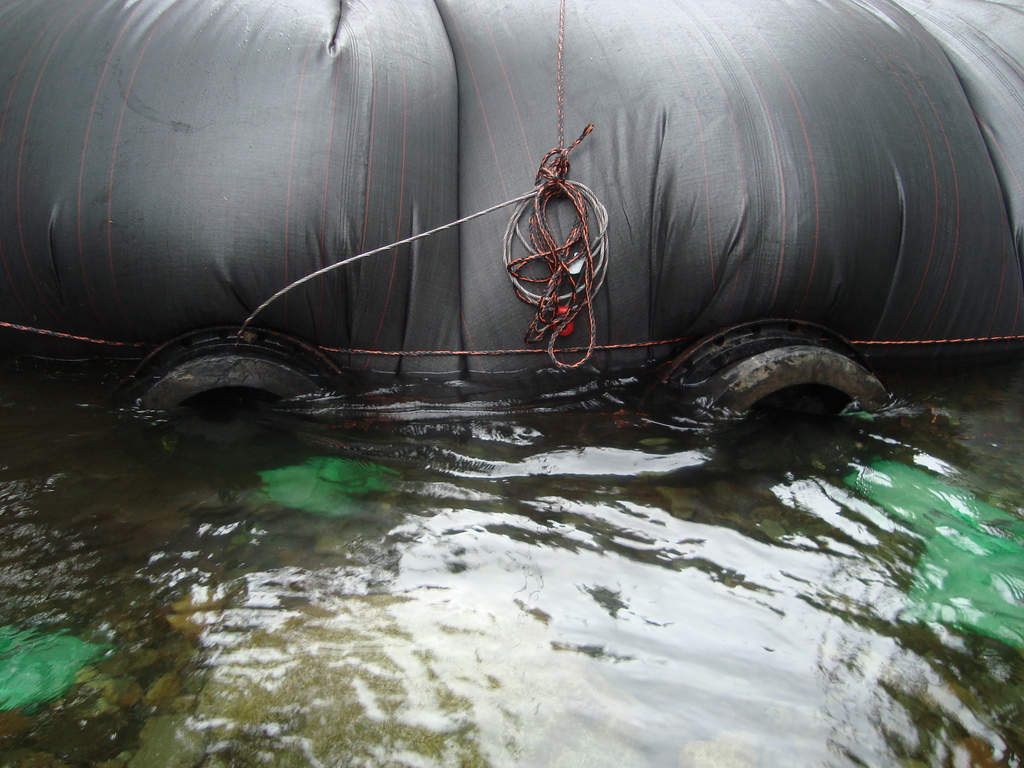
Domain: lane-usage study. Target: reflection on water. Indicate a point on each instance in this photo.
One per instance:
(588, 583)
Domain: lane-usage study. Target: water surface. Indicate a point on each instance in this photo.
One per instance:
(590, 583)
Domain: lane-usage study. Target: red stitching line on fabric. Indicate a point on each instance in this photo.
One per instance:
(113, 162)
(327, 184)
(935, 181)
(483, 106)
(291, 164)
(21, 158)
(508, 84)
(81, 164)
(401, 196)
(956, 184)
(3, 126)
(814, 175)
(781, 176)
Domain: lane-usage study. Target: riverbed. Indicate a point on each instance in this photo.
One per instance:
(588, 580)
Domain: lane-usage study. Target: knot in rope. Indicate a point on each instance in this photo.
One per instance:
(555, 165)
(566, 272)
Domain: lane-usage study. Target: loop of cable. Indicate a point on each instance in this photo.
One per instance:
(560, 276)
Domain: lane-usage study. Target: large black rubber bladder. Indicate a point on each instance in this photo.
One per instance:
(168, 165)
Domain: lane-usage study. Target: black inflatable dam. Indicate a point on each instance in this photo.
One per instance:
(830, 188)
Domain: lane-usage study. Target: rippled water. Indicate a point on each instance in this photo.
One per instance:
(591, 583)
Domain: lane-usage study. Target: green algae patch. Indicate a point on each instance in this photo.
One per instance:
(329, 486)
(37, 667)
(971, 572)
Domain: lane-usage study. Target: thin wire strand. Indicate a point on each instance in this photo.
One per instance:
(389, 246)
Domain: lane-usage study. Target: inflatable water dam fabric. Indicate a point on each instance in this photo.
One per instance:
(166, 166)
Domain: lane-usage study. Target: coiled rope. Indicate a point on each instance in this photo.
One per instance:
(567, 274)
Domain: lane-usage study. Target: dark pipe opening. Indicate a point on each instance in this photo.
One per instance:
(814, 399)
(226, 401)
(224, 415)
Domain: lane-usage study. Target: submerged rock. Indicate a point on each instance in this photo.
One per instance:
(167, 742)
(397, 681)
(726, 751)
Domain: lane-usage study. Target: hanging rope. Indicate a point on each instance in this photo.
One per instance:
(559, 278)
(569, 271)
